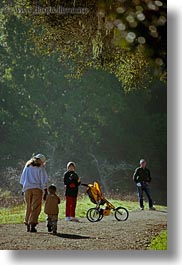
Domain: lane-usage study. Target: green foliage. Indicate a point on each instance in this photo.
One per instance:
(89, 120)
(159, 242)
(126, 38)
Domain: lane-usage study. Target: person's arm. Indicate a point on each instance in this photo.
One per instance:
(76, 179)
(66, 179)
(44, 179)
(22, 178)
(135, 175)
(79, 181)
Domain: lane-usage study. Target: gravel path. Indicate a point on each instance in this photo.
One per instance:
(108, 234)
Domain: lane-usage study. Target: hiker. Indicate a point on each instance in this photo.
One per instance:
(71, 183)
(33, 180)
(51, 209)
(142, 179)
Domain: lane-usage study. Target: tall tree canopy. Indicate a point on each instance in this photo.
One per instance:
(127, 38)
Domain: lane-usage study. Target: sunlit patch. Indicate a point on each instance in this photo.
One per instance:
(152, 6)
(158, 3)
(162, 21)
(159, 61)
(152, 28)
(130, 37)
(140, 16)
(154, 34)
(120, 10)
(130, 19)
(141, 40)
(121, 26)
(139, 8)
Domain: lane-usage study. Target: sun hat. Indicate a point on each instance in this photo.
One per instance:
(41, 157)
(141, 161)
(70, 164)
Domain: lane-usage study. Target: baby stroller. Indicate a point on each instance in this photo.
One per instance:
(96, 214)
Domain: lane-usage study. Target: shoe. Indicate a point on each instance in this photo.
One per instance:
(28, 226)
(32, 229)
(152, 209)
(49, 228)
(68, 218)
(54, 232)
(141, 208)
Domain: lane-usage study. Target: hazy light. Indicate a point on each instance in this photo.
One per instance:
(159, 61)
(154, 34)
(162, 20)
(140, 16)
(139, 8)
(152, 28)
(121, 26)
(141, 40)
(158, 3)
(152, 6)
(130, 37)
(120, 10)
(130, 19)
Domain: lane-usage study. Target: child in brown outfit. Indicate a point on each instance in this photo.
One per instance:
(51, 209)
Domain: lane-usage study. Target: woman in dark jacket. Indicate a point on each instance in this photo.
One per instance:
(71, 183)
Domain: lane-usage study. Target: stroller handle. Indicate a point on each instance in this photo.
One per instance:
(86, 185)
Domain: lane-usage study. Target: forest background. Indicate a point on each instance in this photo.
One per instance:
(89, 88)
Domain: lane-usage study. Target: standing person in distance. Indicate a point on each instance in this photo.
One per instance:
(142, 178)
(34, 179)
(71, 183)
(51, 209)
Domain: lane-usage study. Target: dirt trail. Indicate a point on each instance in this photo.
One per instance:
(108, 234)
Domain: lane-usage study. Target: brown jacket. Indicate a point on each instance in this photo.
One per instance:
(51, 204)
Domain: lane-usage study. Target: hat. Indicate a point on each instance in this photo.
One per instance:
(70, 164)
(41, 157)
(141, 161)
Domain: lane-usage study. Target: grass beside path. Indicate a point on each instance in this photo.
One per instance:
(15, 215)
(159, 242)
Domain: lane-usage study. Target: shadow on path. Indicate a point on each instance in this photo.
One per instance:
(71, 236)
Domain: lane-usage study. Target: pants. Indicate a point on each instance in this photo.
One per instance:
(144, 188)
(70, 206)
(52, 220)
(33, 199)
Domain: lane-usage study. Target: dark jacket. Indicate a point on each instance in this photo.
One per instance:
(142, 175)
(72, 181)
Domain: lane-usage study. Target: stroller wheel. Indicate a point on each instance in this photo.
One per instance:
(94, 215)
(121, 214)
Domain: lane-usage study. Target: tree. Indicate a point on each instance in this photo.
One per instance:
(90, 120)
(127, 38)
